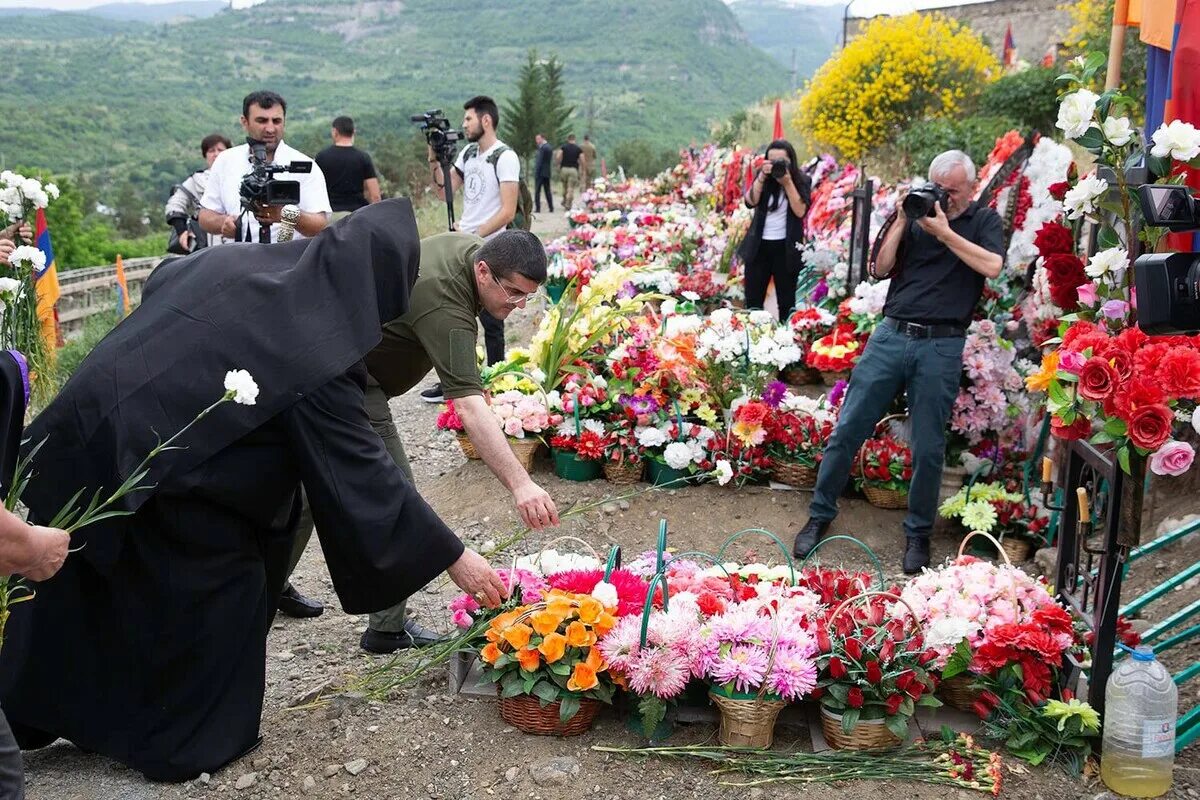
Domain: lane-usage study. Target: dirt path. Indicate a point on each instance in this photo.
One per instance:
(427, 743)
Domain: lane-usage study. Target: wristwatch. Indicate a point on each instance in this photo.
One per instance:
(288, 217)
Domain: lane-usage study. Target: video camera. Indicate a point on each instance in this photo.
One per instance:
(920, 202)
(260, 188)
(438, 133)
(1168, 284)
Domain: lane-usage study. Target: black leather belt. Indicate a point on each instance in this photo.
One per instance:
(918, 331)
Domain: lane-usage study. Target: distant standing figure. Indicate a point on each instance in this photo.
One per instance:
(587, 167)
(569, 156)
(541, 174)
(349, 172)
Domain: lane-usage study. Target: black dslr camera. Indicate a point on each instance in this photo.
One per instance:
(260, 188)
(438, 133)
(920, 202)
(779, 168)
(1168, 284)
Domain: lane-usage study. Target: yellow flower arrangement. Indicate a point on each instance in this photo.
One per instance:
(898, 69)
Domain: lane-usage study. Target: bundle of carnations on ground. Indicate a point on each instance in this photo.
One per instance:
(873, 663)
(547, 650)
(681, 447)
(1128, 391)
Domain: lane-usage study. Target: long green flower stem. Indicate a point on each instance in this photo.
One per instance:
(404, 670)
(70, 518)
(925, 763)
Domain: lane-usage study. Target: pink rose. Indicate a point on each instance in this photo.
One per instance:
(1087, 294)
(1071, 361)
(1173, 458)
(512, 427)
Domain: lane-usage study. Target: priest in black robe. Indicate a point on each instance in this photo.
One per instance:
(149, 645)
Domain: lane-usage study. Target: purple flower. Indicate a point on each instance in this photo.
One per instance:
(1115, 309)
(627, 251)
(819, 292)
(627, 291)
(773, 395)
(639, 404)
(745, 667)
(836, 393)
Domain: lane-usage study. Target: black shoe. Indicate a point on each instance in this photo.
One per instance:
(916, 555)
(808, 537)
(433, 394)
(413, 635)
(294, 604)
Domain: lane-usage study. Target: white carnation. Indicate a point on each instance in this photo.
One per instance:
(606, 593)
(947, 632)
(678, 455)
(1178, 139)
(1075, 113)
(724, 472)
(27, 257)
(650, 437)
(240, 387)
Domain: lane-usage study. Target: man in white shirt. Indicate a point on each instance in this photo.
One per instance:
(488, 172)
(222, 213)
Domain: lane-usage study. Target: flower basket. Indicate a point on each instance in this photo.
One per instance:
(957, 691)
(525, 450)
(882, 496)
(623, 473)
(747, 720)
(831, 378)
(867, 734)
(892, 499)
(660, 474)
(569, 466)
(795, 474)
(467, 447)
(526, 714)
(800, 375)
(1017, 550)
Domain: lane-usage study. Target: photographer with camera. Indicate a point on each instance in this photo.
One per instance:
(938, 252)
(253, 182)
(489, 173)
(779, 196)
(184, 204)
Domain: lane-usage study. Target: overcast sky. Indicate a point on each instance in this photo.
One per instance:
(860, 8)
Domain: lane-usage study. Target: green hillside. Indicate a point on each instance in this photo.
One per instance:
(781, 28)
(134, 104)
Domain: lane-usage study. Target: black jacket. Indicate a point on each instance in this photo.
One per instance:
(748, 249)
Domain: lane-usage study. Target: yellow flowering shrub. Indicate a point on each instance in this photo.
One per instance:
(900, 69)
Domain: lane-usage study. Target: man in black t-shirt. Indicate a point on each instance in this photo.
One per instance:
(568, 169)
(349, 172)
(938, 265)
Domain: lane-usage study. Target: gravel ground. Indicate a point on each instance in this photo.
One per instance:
(429, 743)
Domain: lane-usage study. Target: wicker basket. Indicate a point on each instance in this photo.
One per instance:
(467, 446)
(793, 474)
(885, 498)
(525, 450)
(800, 376)
(624, 473)
(1017, 550)
(749, 722)
(957, 691)
(525, 713)
(867, 734)
(831, 378)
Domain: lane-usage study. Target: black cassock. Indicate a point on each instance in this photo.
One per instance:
(149, 646)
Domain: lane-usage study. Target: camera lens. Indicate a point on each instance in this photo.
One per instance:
(779, 168)
(917, 203)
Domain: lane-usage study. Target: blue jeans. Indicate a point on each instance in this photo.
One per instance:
(930, 370)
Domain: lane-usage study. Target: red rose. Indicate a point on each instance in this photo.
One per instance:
(1179, 373)
(1150, 426)
(816, 693)
(874, 673)
(1059, 190)
(854, 698)
(1065, 274)
(1097, 379)
(837, 670)
(823, 640)
(1122, 361)
(904, 679)
(854, 648)
(1054, 237)
(1081, 428)
(915, 690)
(893, 704)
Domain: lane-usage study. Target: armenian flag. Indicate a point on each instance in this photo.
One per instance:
(46, 283)
(1010, 48)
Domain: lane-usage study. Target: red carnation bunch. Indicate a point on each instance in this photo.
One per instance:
(1035, 648)
(588, 445)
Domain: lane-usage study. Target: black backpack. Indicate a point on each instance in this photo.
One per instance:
(523, 219)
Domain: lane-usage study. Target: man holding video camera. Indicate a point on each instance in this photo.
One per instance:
(938, 252)
(249, 186)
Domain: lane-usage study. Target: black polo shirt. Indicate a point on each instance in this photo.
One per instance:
(930, 284)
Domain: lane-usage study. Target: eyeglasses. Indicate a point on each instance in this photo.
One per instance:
(510, 298)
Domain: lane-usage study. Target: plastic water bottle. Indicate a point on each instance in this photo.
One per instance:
(1141, 703)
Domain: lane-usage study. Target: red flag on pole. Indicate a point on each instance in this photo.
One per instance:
(778, 132)
(1010, 48)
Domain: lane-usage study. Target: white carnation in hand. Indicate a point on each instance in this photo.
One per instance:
(240, 387)
(1178, 139)
(678, 455)
(1075, 113)
(27, 257)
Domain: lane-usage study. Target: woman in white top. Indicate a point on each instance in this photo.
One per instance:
(779, 196)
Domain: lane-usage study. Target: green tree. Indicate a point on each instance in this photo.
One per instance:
(556, 114)
(130, 211)
(641, 158)
(540, 105)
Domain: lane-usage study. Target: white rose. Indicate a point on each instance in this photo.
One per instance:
(678, 455)
(1196, 419)
(1081, 198)
(1178, 139)
(606, 593)
(1075, 113)
(1117, 130)
(724, 472)
(1107, 261)
(240, 387)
